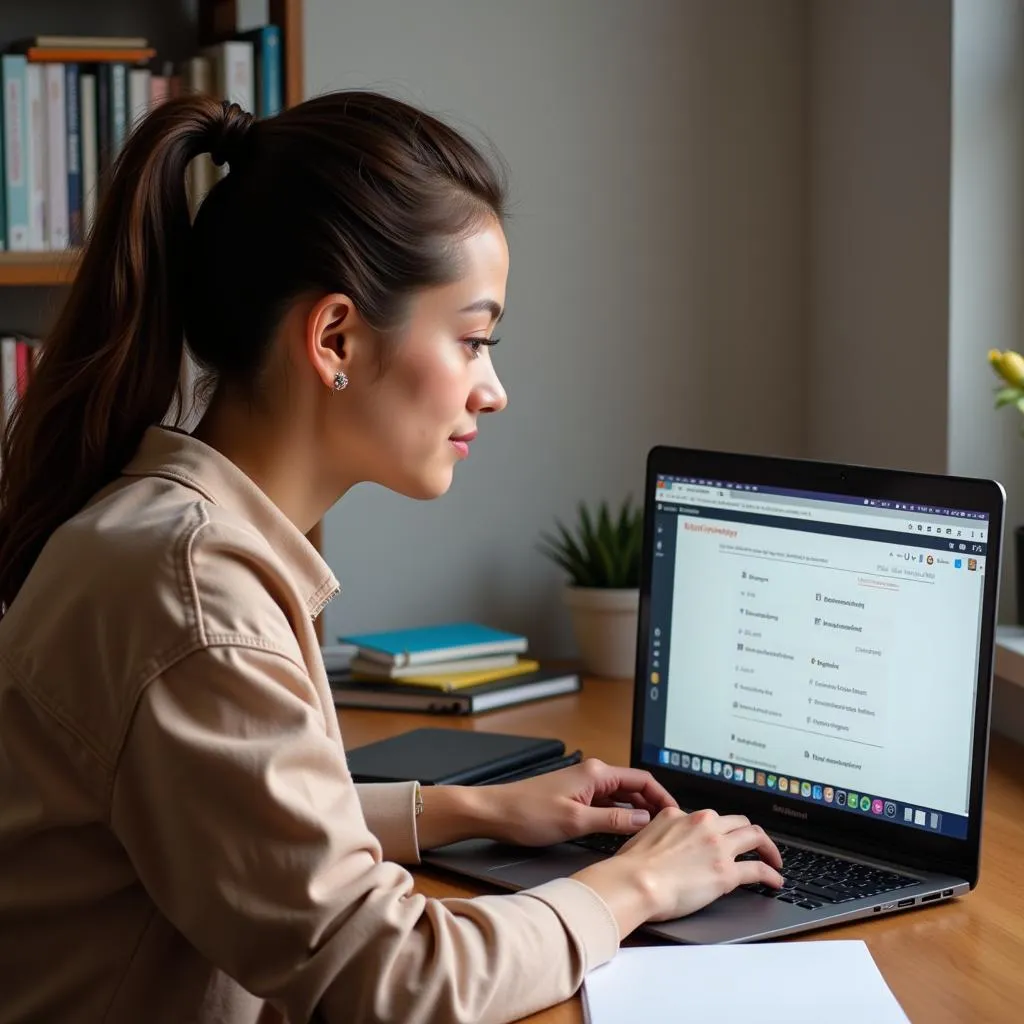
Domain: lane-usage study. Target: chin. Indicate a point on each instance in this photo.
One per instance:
(427, 487)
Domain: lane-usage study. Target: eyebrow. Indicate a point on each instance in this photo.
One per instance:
(485, 306)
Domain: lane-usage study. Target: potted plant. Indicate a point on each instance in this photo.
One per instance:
(602, 559)
(1009, 367)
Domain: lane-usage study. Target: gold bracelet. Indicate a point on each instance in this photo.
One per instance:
(418, 795)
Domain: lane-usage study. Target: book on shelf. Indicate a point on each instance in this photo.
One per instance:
(17, 358)
(546, 681)
(71, 102)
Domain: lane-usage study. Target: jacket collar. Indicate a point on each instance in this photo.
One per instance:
(175, 455)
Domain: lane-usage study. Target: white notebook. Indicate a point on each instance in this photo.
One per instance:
(768, 983)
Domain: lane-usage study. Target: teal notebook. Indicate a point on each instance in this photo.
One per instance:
(427, 644)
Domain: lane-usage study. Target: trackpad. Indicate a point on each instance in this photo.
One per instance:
(524, 869)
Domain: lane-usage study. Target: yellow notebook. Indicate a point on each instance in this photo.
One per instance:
(457, 680)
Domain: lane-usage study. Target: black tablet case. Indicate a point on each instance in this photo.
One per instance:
(451, 757)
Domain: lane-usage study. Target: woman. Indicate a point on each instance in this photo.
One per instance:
(180, 839)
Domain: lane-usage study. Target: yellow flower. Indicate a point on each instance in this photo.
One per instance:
(1009, 365)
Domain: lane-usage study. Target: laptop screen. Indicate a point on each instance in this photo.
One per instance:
(816, 645)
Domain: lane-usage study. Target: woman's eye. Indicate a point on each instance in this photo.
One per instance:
(475, 344)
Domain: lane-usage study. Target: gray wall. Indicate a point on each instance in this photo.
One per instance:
(987, 269)
(878, 243)
(655, 293)
(987, 248)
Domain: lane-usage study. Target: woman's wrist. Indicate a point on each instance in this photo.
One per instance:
(626, 891)
(451, 813)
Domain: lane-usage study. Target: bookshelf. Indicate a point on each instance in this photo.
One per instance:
(215, 20)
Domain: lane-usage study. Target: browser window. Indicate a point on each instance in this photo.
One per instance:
(821, 646)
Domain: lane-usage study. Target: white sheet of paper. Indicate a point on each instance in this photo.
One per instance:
(770, 983)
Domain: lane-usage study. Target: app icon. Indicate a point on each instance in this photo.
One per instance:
(890, 809)
(877, 806)
(851, 801)
(716, 768)
(675, 759)
(841, 797)
(865, 803)
(958, 563)
(655, 678)
(749, 775)
(663, 757)
(737, 773)
(727, 771)
(705, 765)
(919, 817)
(772, 780)
(908, 813)
(829, 794)
(936, 819)
(817, 792)
(783, 784)
(805, 789)
(972, 564)
(761, 779)
(686, 760)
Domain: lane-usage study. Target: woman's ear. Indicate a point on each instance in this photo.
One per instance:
(334, 336)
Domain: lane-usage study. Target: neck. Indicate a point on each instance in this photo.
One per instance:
(281, 458)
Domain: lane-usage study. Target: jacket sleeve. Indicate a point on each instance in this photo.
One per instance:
(241, 818)
(390, 812)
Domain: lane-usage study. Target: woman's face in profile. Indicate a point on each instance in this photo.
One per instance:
(418, 418)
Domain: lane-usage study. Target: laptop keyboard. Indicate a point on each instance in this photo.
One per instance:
(811, 879)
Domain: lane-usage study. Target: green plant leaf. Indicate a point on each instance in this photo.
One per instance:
(604, 549)
(564, 552)
(606, 546)
(570, 567)
(1008, 396)
(570, 545)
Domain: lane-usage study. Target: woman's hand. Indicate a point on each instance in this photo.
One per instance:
(680, 863)
(571, 802)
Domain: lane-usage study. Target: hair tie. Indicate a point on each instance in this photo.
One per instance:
(229, 134)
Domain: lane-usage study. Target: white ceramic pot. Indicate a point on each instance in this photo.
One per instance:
(604, 624)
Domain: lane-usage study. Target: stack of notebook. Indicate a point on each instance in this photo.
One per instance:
(457, 668)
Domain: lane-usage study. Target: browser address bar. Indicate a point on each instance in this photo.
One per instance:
(705, 497)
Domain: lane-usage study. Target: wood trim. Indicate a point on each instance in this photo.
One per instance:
(288, 15)
(38, 268)
(217, 20)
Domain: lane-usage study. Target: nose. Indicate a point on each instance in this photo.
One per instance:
(488, 395)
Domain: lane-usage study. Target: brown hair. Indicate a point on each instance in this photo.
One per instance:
(349, 192)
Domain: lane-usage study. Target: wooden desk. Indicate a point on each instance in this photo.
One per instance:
(961, 961)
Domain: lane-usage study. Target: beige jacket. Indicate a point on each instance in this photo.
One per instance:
(180, 837)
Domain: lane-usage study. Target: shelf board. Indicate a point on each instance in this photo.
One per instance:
(37, 268)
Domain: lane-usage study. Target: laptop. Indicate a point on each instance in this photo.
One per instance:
(815, 649)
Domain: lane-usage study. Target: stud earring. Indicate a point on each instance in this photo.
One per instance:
(340, 381)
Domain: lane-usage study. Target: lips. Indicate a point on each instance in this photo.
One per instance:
(460, 442)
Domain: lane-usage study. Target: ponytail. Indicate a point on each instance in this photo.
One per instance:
(110, 368)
